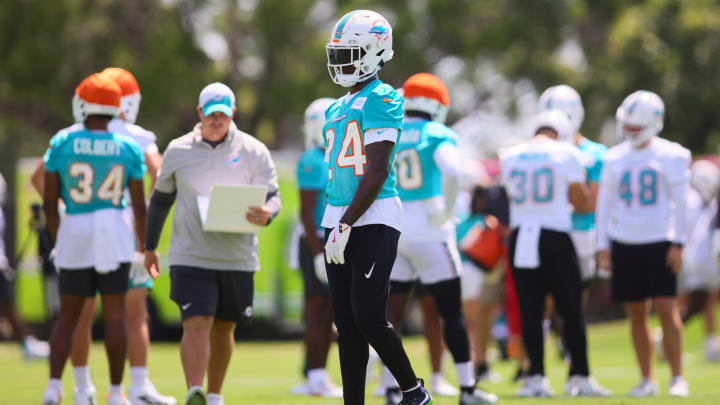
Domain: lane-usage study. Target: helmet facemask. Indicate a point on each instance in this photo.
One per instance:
(342, 57)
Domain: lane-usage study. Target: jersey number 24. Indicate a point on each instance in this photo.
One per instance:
(352, 152)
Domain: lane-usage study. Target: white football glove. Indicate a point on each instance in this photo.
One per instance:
(335, 246)
(716, 246)
(319, 263)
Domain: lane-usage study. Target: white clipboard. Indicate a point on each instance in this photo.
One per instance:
(224, 210)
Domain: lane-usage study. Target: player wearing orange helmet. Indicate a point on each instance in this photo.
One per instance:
(428, 183)
(90, 168)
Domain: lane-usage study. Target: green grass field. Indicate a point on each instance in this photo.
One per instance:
(261, 373)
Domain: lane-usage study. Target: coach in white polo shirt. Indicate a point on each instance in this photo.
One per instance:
(211, 273)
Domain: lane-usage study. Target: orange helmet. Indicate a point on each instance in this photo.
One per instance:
(130, 101)
(96, 95)
(426, 93)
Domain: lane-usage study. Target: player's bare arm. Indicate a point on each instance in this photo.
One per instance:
(153, 161)
(51, 196)
(579, 195)
(38, 178)
(377, 170)
(137, 193)
(307, 206)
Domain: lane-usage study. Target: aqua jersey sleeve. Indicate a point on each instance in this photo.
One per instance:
(312, 171)
(383, 109)
(53, 155)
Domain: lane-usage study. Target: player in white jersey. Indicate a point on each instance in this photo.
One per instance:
(699, 279)
(428, 184)
(141, 390)
(641, 230)
(543, 177)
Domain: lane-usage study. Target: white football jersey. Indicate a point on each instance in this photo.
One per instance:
(640, 191)
(144, 138)
(537, 175)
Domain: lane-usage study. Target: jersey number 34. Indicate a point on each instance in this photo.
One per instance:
(110, 189)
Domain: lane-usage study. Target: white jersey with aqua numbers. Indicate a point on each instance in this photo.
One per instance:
(537, 175)
(642, 194)
(371, 115)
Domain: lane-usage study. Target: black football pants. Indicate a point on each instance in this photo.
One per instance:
(559, 276)
(359, 293)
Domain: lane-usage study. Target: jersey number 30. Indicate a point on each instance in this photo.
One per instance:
(541, 183)
(110, 189)
(352, 153)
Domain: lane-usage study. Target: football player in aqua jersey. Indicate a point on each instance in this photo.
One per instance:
(428, 172)
(312, 177)
(141, 390)
(90, 168)
(641, 231)
(364, 214)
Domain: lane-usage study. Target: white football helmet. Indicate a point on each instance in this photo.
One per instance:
(705, 179)
(642, 109)
(565, 99)
(556, 120)
(362, 39)
(315, 121)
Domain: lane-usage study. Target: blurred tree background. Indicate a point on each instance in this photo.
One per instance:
(271, 52)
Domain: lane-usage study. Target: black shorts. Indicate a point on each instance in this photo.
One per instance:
(226, 295)
(88, 282)
(640, 272)
(311, 285)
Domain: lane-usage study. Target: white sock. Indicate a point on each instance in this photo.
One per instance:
(387, 380)
(191, 388)
(213, 397)
(138, 376)
(82, 377)
(115, 390)
(55, 383)
(316, 375)
(465, 374)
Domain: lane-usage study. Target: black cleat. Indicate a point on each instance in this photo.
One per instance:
(418, 396)
(393, 396)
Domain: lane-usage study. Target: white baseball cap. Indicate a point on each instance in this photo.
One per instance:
(217, 97)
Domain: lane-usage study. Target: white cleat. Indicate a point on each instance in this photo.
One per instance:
(441, 387)
(215, 399)
(149, 395)
(300, 389)
(52, 396)
(84, 396)
(535, 386)
(712, 349)
(33, 348)
(118, 399)
(477, 397)
(581, 386)
(646, 388)
(324, 388)
(679, 388)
